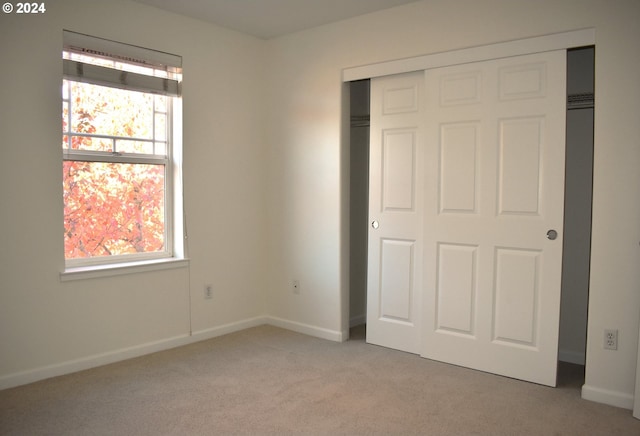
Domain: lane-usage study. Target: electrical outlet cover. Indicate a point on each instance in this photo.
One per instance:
(610, 339)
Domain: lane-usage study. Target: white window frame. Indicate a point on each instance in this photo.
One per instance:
(166, 80)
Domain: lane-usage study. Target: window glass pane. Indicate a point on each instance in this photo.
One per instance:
(123, 146)
(161, 148)
(110, 111)
(93, 144)
(161, 103)
(65, 116)
(113, 209)
(161, 127)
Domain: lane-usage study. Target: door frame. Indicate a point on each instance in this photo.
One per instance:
(552, 42)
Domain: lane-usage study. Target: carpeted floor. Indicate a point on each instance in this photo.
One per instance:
(270, 381)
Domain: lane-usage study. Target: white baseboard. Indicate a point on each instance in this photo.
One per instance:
(571, 357)
(71, 366)
(318, 332)
(34, 375)
(214, 332)
(45, 372)
(612, 398)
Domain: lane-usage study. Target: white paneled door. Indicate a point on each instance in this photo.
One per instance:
(481, 245)
(396, 195)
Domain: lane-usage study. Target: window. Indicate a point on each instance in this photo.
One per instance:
(121, 156)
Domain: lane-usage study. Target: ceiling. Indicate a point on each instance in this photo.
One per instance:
(271, 18)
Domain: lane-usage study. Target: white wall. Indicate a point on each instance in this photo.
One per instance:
(307, 192)
(47, 326)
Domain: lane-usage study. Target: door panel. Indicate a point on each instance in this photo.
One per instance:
(398, 169)
(396, 205)
(494, 186)
(395, 280)
(456, 288)
(517, 279)
(519, 173)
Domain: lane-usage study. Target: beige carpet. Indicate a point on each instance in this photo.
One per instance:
(266, 380)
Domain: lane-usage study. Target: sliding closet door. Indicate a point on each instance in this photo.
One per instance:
(494, 214)
(396, 194)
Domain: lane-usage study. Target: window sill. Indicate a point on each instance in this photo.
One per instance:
(97, 271)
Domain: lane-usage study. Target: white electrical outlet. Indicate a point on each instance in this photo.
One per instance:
(296, 286)
(208, 291)
(610, 339)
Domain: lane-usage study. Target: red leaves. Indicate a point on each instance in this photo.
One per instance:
(113, 208)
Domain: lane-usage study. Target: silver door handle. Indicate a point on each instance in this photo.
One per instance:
(375, 224)
(552, 234)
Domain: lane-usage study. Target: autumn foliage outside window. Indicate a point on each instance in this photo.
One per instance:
(115, 172)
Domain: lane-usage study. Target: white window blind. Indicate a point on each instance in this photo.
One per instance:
(154, 71)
